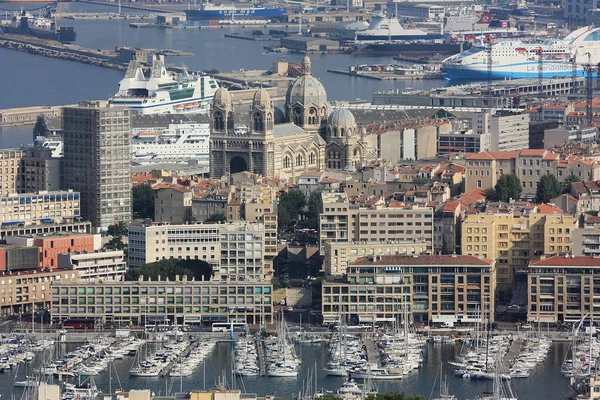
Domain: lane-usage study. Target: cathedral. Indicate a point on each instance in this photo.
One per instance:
(283, 145)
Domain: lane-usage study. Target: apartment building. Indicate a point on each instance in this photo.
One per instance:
(340, 221)
(577, 11)
(181, 301)
(447, 227)
(25, 291)
(97, 160)
(463, 141)
(76, 226)
(172, 203)
(339, 255)
(482, 170)
(106, 265)
(507, 130)
(41, 170)
(435, 288)
(514, 238)
(563, 289)
(587, 195)
(236, 250)
(43, 207)
(10, 171)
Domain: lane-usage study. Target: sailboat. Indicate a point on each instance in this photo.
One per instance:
(502, 388)
(285, 363)
(444, 394)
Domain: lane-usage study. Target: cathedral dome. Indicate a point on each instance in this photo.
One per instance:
(341, 117)
(306, 89)
(261, 99)
(222, 98)
(279, 117)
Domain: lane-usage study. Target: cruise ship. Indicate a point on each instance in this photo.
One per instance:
(383, 28)
(176, 143)
(513, 59)
(230, 11)
(162, 93)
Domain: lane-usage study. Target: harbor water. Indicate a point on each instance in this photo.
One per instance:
(545, 382)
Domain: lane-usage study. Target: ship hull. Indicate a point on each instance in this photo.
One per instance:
(247, 13)
(479, 71)
(385, 37)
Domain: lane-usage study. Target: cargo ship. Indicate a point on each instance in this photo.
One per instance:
(229, 11)
(43, 28)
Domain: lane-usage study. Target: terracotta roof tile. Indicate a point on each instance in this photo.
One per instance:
(558, 261)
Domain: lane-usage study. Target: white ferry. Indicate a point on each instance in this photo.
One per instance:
(178, 142)
(163, 93)
(383, 28)
(516, 59)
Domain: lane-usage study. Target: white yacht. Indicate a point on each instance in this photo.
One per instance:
(384, 28)
(163, 93)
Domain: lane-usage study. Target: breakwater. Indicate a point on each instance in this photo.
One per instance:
(58, 50)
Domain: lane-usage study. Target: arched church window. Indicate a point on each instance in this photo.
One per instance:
(286, 162)
(258, 125)
(230, 121)
(341, 132)
(298, 116)
(269, 121)
(218, 122)
(299, 160)
(311, 158)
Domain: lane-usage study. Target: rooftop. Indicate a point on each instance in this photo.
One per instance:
(439, 260)
(567, 261)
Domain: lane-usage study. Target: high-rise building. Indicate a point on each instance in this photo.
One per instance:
(97, 161)
(10, 171)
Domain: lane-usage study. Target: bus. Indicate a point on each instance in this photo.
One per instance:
(228, 327)
(78, 323)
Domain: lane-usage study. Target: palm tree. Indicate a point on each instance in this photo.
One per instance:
(568, 182)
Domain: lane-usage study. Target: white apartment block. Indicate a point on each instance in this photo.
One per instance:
(43, 207)
(508, 130)
(109, 265)
(236, 250)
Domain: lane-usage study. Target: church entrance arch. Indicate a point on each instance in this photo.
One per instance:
(237, 164)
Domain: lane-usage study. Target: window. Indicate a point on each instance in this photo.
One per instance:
(478, 184)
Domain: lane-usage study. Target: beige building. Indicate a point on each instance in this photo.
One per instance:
(173, 203)
(515, 239)
(10, 171)
(24, 291)
(563, 289)
(340, 221)
(436, 289)
(586, 241)
(44, 207)
(181, 301)
(339, 255)
(482, 170)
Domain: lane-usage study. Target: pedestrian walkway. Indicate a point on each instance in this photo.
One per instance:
(513, 352)
(372, 351)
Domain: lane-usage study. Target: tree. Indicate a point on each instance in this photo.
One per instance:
(118, 229)
(419, 180)
(171, 268)
(218, 217)
(508, 187)
(40, 128)
(115, 244)
(314, 206)
(289, 207)
(143, 201)
(568, 182)
(548, 188)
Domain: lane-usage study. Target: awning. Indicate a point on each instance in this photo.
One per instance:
(46, 220)
(444, 318)
(420, 296)
(365, 318)
(11, 223)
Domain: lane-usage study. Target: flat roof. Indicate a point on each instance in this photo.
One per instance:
(437, 260)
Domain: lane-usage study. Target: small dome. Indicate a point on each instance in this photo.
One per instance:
(306, 90)
(341, 117)
(279, 117)
(261, 99)
(222, 98)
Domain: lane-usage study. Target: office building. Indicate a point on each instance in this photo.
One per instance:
(514, 238)
(97, 161)
(180, 301)
(17, 258)
(339, 255)
(106, 265)
(435, 288)
(41, 170)
(24, 291)
(40, 208)
(563, 289)
(76, 226)
(463, 141)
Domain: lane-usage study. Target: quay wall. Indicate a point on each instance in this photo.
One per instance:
(27, 115)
